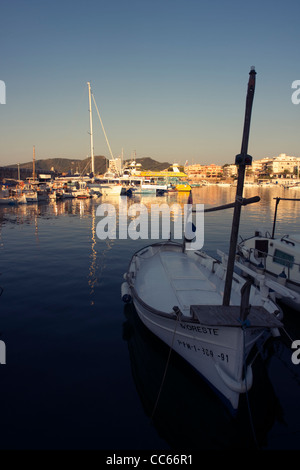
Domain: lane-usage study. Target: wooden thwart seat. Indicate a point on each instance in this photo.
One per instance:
(223, 315)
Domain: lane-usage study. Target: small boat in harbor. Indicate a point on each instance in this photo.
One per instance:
(204, 311)
(277, 258)
(8, 201)
(6, 197)
(183, 187)
(178, 296)
(31, 195)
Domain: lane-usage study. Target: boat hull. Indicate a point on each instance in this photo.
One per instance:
(206, 349)
(111, 190)
(8, 201)
(217, 350)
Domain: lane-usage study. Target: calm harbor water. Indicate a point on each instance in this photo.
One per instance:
(83, 373)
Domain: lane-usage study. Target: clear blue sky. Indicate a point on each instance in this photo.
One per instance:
(169, 78)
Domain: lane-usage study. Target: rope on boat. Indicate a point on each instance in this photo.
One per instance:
(289, 337)
(177, 312)
(247, 396)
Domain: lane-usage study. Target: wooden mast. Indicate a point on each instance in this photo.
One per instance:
(241, 160)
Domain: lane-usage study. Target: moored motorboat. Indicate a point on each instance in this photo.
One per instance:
(183, 187)
(277, 258)
(31, 196)
(9, 201)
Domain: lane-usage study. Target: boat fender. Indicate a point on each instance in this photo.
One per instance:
(125, 293)
(282, 278)
(275, 332)
(260, 268)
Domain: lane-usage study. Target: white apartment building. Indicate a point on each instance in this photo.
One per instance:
(277, 165)
(230, 170)
(281, 166)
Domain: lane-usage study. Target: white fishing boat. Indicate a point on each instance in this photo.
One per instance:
(6, 198)
(21, 199)
(82, 193)
(277, 258)
(199, 307)
(178, 296)
(151, 187)
(30, 194)
(110, 186)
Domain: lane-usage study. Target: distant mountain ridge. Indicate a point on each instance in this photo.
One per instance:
(66, 165)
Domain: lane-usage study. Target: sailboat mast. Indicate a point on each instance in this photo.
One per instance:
(91, 130)
(33, 164)
(241, 160)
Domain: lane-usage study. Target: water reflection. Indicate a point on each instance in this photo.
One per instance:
(92, 277)
(71, 268)
(217, 225)
(208, 195)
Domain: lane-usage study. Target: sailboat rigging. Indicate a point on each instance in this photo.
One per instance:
(91, 96)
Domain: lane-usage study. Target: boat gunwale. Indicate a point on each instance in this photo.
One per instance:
(179, 316)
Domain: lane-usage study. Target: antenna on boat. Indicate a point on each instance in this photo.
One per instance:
(241, 160)
(91, 130)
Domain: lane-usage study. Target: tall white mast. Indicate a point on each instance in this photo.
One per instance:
(91, 130)
(33, 164)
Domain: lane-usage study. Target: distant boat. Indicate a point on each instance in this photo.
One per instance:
(153, 186)
(8, 201)
(108, 186)
(82, 191)
(30, 194)
(21, 198)
(6, 198)
(183, 187)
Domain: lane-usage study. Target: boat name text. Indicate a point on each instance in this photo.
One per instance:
(200, 329)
